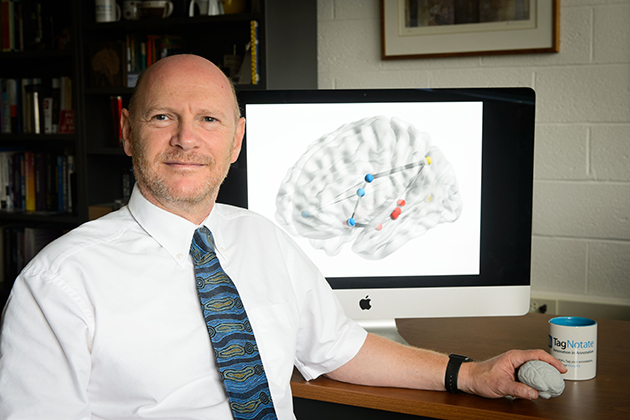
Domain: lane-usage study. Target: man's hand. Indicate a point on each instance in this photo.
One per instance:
(497, 377)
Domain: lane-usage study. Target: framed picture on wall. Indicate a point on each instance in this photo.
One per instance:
(449, 28)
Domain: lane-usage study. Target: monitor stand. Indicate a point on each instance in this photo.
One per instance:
(383, 327)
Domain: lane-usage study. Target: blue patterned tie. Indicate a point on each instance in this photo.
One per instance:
(231, 334)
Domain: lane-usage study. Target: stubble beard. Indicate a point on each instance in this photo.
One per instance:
(152, 183)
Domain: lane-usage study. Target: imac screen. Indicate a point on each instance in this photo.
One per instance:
(415, 200)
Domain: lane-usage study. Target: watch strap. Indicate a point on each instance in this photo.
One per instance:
(452, 370)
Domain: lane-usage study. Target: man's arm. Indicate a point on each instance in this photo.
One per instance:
(381, 362)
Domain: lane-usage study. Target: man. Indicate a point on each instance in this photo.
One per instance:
(106, 323)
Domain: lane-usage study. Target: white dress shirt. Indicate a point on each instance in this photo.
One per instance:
(105, 322)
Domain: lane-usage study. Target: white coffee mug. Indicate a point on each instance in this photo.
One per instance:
(107, 10)
(206, 7)
(202, 5)
(131, 9)
(573, 341)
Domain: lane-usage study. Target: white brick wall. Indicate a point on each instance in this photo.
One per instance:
(581, 226)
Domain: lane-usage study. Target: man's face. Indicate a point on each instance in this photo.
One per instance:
(184, 135)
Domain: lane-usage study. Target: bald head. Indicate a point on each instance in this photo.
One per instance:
(185, 66)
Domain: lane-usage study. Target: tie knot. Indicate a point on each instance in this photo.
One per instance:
(202, 242)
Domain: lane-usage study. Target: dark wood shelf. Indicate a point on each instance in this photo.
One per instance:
(37, 54)
(31, 138)
(171, 24)
(33, 217)
(106, 151)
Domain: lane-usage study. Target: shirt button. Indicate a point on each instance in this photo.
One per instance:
(180, 256)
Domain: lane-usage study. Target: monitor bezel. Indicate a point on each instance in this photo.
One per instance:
(507, 178)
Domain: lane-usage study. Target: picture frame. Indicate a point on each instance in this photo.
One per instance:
(107, 66)
(442, 28)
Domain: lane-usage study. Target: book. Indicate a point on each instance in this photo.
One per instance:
(29, 181)
(17, 181)
(254, 52)
(65, 95)
(5, 180)
(26, 105)
(5, 111)
(40, 181)
(48, 119)
(245, 73)
(6, 14)
(37, 106)
(18, 26)
(70, 181)
(50, 180)
(56, 98)
(62, 183)
(116, 107)
(66, 113)
(12, 98)
(66, 121)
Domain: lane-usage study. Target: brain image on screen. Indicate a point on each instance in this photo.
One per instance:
(376, 183)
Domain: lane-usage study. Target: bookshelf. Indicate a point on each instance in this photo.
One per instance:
(96, 170)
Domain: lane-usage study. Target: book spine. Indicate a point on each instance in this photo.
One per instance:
(51, 182)
(66, 114)
(59, 184)
(21, 180)
(16, 183)
(6, 109)
(29, 181)
(19, 26)
(5, 181)
(48, 106)
(26, 106)
(254, 51)
(37, 114)
(56, 97)
(40, 181)
(62, 183)
(143, 55)
(69, 182)
(6, 13)
(12, 98)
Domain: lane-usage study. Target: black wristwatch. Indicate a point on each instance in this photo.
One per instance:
(452, 369)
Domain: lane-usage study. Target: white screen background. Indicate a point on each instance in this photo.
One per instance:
(278, 134)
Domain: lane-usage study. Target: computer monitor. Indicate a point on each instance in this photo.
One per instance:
(412, 202)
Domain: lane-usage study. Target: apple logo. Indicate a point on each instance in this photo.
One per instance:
(365, 303)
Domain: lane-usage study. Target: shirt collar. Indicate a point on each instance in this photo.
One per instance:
(172, 232)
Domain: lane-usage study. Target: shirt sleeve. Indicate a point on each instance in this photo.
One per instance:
(327, 338)
(44, 352)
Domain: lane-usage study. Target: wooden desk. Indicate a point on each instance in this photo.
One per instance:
(607, 396)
